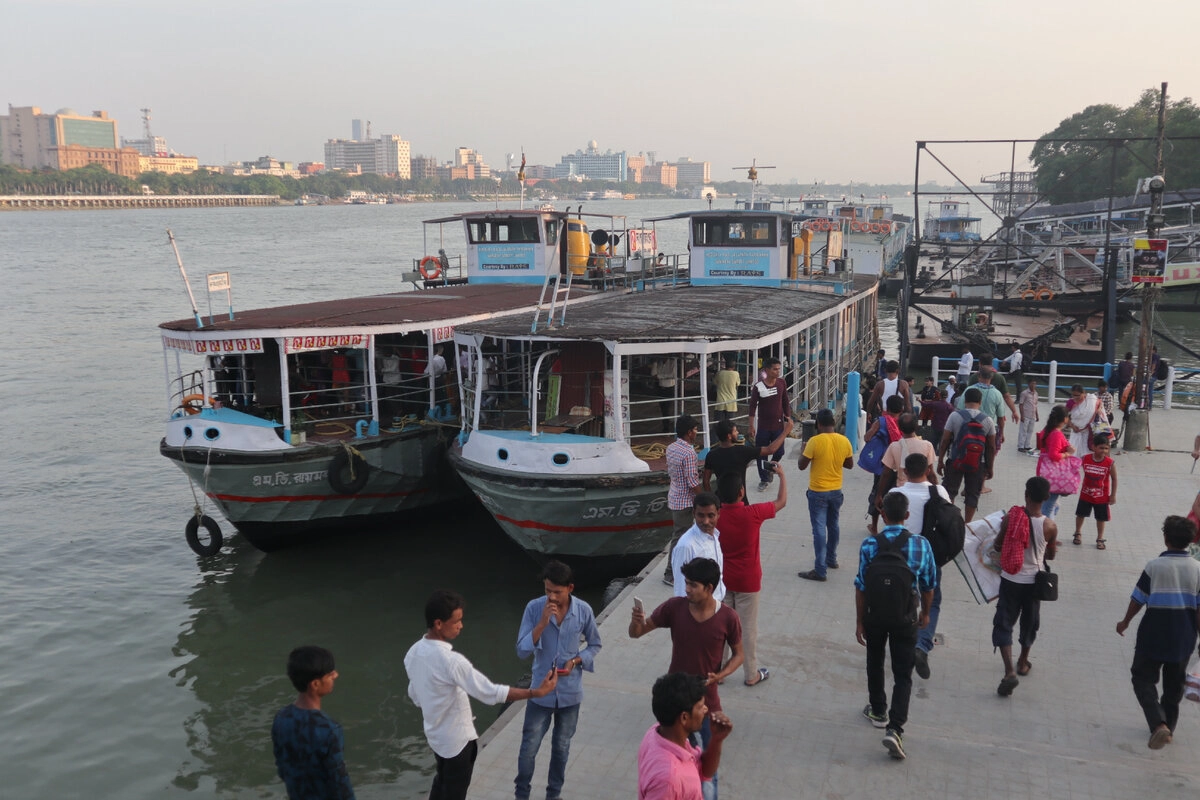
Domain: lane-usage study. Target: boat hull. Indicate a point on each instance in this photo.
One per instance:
(284, 497)
(602, 525)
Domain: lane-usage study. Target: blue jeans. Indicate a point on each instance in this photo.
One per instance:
(1049, 505)
(823, 511)
(537, 722)
(707, 788)
(925, 635)
(762, 439)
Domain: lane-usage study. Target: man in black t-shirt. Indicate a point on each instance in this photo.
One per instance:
(728, 457)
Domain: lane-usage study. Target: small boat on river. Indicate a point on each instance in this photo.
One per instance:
(565, 442)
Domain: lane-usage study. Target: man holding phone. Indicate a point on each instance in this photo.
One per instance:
(552, 630)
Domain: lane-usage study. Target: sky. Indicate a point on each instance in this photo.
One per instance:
(832, 92)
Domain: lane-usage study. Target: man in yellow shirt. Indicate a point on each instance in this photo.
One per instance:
(727, 381)
(829, 453)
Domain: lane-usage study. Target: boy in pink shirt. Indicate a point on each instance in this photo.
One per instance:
(670, 767)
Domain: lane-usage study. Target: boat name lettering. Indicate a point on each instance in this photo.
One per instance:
(630, 508)
(290, 478)
(211, 346)
(297, 344)
(443, 334)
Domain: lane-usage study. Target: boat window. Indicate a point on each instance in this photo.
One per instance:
(503, 230)
(551, 232)
(734, 233)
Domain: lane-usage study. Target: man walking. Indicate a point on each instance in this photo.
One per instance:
(1029, 417)
(1025, 542)
(769, 410)
(970, 441)
(684, 471)
(551, 630)
(892, 384)
(829, 452)
(741, 528)
(439, 683)
(893, 591)
(1169, 588)
(1015, 362)
(965, 362)
(702, 540)
(728, 458)
(670, 767)
(701, 628)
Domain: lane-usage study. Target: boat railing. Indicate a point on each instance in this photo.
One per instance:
(188, 384)
(450, 271)
(312, 408)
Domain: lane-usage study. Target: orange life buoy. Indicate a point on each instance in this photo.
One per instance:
(885, 227)
(1028, 294)
(876, 227)
(860, 227)
(427, 273)
(192, 403)
(1045, 294)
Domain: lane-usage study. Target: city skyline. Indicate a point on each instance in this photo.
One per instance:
(820, 93)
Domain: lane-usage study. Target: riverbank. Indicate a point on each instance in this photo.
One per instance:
(47, 202)
(1071, 729)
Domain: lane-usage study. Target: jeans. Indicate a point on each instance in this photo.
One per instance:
(925, 635)
(707, 788)
(1050, 507)
(823, 510)
(537, 722)
(902, 643)
(762, 439)
(1164, 710)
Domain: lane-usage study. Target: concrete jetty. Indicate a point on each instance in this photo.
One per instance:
(1072, 728)
(26, 202)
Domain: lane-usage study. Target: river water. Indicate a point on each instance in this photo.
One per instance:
(128, 668)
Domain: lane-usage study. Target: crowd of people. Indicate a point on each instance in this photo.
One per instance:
(934, 450)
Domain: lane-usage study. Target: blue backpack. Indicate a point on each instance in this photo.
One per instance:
(871, 457)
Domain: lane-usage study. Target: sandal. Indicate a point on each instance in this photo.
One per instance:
(1101, 545)
(1078, 539)
(763, 674)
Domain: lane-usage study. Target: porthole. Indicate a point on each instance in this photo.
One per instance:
(187, 431)
(502, 454)
(560, 459)
(212, 434)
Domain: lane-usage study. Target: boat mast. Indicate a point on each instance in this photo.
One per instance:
(179, 261)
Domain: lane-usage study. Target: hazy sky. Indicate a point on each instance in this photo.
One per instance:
(832, 91)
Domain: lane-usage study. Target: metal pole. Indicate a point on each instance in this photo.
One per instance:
(1110, 268)
(1150, 291)
(179, 261)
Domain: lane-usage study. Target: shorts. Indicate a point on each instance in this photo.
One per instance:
(1084, 509)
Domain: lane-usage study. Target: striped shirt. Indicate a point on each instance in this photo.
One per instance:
(684, 472)
(1169, 588)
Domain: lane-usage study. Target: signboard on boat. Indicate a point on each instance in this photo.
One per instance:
(303, 344)
(213, 346)
(736, 265)
(1149, 260)
(504, 263)
(218, 281)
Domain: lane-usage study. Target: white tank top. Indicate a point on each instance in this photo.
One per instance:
(890, 385)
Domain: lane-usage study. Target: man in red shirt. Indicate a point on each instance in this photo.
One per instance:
(740, 531)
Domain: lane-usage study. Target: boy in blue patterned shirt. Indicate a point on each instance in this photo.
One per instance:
(308, 744)
(1169, 587)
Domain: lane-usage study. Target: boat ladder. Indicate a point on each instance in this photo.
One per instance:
(559, 294)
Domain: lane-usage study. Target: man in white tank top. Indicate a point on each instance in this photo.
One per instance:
(890, 385)
(1017, 599)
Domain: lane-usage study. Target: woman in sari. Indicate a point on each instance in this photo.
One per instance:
(1053, 447)
(1082, 409)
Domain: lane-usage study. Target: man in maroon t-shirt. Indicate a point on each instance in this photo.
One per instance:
(700, 629)
(740, 530)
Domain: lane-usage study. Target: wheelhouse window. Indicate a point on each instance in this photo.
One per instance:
(488, 231)
(734, 233)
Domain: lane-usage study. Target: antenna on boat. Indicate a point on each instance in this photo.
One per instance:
(521, 177)
(752, 174)
(183, 272)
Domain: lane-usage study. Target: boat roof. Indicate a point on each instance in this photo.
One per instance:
(724, 212)
(494, 212)
(414, 310)
(686, 313)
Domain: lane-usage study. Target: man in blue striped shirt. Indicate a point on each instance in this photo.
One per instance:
(1169, 588)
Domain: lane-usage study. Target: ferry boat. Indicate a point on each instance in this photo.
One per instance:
(875, 235)
(949, 222)
(566, 446)
(301, 420)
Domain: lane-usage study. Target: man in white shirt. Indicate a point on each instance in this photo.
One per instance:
(964, 366)
(439, 682)
(702, 540)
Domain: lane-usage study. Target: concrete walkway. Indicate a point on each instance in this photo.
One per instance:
(1072, 729)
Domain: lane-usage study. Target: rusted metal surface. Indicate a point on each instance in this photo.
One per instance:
(417, 308)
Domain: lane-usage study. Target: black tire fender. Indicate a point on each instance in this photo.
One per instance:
(192, 534)
(348, 472)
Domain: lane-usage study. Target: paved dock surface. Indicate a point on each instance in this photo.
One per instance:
(1072, 728)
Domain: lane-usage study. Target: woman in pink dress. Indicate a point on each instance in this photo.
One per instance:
(1054, 447)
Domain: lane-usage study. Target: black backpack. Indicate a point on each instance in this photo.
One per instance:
(943, 527)
(889, 585)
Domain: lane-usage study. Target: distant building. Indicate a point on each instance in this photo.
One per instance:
(465, 156)
(636, 166)
(310, 167)
(30, 139)
(693, 173)
(423, 167)
(387, 155)
(356, 130)
(169, 164)
(661, 172)
(453, 172)
(593, 164)
(264, 165)
(154, 146)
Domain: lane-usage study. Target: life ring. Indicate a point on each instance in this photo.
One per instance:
(348, 472)
(1045, 294)
(885, 227)
(427, 273)
(1126, 395)
(1028, 294)
(856, 227)
(192, 534)
(192, 403)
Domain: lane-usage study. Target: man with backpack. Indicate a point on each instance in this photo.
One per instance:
(893, 594)
(931, 514)
(970, 442)
(879, 437)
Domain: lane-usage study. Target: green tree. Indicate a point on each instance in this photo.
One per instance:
(1071, 170)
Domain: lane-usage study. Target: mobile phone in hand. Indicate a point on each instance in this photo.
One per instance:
(637, 604)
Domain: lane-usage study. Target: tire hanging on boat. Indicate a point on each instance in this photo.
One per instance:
(348, 472)
(192, 534)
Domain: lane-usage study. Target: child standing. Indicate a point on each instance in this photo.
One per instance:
(1166, 637)
(1028, 401)
(308, 744)
(1099, 490)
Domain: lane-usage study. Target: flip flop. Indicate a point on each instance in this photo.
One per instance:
(1007, 685)
(1078, 539)
(1023, 672)
(763, 674)
(1101, 545)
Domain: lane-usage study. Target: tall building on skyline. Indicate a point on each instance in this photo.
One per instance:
(423, 167)
(465, 156)
(387, 155)
(693, 173)
(356, 130)
(395, 157)
(63, 140)
(154, 146)
(593, 164)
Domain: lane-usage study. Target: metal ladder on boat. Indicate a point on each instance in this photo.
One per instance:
(559, 294)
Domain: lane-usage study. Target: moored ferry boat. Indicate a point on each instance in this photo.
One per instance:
(301, 420)
(565, 446)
